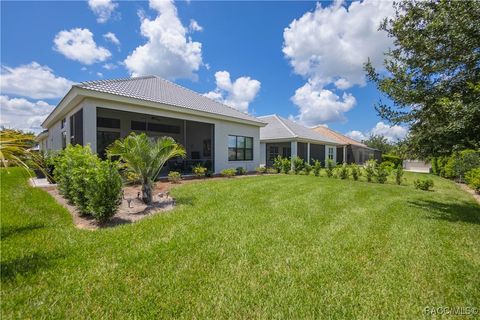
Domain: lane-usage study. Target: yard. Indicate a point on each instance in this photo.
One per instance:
(259, 247)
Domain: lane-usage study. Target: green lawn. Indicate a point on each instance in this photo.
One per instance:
(260, 247)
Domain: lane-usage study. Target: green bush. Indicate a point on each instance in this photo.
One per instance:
(317, 166)
(286, 165)
(262, 170)
(229, 172)
(240, 171)
(393, 159)
(307, 168)
(370, 169)
(399, 175)
(442, 162)
(199, 171)
(460, 163)
(381, 174)
(209, 173)
(472, 178)
(329, 166)
(278, 164)
(343, 171)
(388, 165)
(354, 171)
(297, 164)
(423, 184)
(174, 177)
(103, 192)
(435, 168)
(272, 171)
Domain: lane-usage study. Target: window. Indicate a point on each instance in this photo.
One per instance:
(76, 128)
(108, 123)
(331, 153)
(240, 148)
(154, 127)
(64, 139)
(63, 123)
(139, 125)
(272, 153)
(286, 152)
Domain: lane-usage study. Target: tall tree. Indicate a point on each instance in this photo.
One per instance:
(433, 74)
(378, 142)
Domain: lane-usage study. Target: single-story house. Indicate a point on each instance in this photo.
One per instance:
(288, 139)
(99, 112)
(356, 152)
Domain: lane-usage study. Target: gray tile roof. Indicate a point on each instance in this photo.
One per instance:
(281, 128)
(155, 89)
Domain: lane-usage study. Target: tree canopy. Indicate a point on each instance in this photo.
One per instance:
(433, 74)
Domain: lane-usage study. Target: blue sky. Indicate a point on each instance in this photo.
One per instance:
(298, 59)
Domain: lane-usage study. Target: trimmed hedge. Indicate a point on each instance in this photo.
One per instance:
(392, 158)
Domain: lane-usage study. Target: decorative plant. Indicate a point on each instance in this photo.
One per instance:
(297, 164)
(317, 166)
(381, 174)
(278, 164)
(370, 169)
(271, 171)
(307, 168)
(355, 171)
(199, 171)
(399, 174)
(174, 176)
(262, 170)
(15, 149)
(423, 184)
(343, 171)
(329, 166)
(286, 165)
(146, 157)
(472, 178)
(241, 171)
(229, 173)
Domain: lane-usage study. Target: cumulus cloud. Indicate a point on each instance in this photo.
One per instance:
(20, 113)
(329, 47)
(109, 66)
(33, 81)
(78, 44)
(238, 94)
(392, 133)
(103, 9)
(110, 36)
(168, 51)
(194, 26)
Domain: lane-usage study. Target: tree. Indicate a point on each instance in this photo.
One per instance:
(15, 148)
(145, 157)
(433, 74)
(378, 142)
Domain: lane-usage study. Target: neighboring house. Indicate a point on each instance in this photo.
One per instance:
(417, 166)
(99, 112)
(286, 138)
(357, 152)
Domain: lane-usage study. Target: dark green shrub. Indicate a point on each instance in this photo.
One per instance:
(262, 170)
(461, 162)
(442, 162)
(209, 174)
(278, 164)
(307, 168)
(435, 168)
(472, 178)
(174, 177)
(343, 171)
(355, 171)
(317, 166)
(286, 165)
(103, 192)
(399, 175)
(393, 159)
(387, 165)
(370, 169)
(381, 174)
(297, 164)
(423, 184)
(199, 171)
(241, 171)
(329, 166)
(229, 172)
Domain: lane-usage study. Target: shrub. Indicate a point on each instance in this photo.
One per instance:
(442, 162)
(423, 184)
(307, 168)
(388, 165)
(297, 164)
(278, 164)
(381, 174)
(355, 171)
(272, 171)
(472, 178)
(241, 171)
(317, 166)
(468, 160)
(435, 168)
(209, 174)
(199, 171)
(174, 177)
(103, 191)
(399, 175)
(370, 169)
(343, 171)
(393, 159)
(329, 166)
(286, 165)
(229, 172)
(262, 170)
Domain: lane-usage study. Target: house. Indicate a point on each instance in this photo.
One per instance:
(288, 139)
(356, 152)
(99, 112)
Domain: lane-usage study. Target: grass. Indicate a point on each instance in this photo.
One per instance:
(260, 247)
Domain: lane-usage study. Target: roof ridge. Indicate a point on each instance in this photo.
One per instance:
(279, 118)
(85, 83)
(342, 136)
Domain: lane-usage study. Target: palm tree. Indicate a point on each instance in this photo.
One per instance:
(15, 148)
(145, 157)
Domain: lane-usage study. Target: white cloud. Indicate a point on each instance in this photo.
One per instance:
(194, 26)
(110, 36)
(168, 52)
(103, 9)
(238, 94)
(392, 133)
(78, 44)
(318, 105)
(20, 113)
(33, 81)
(109, 66)
(329, 47)
(99, 74)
